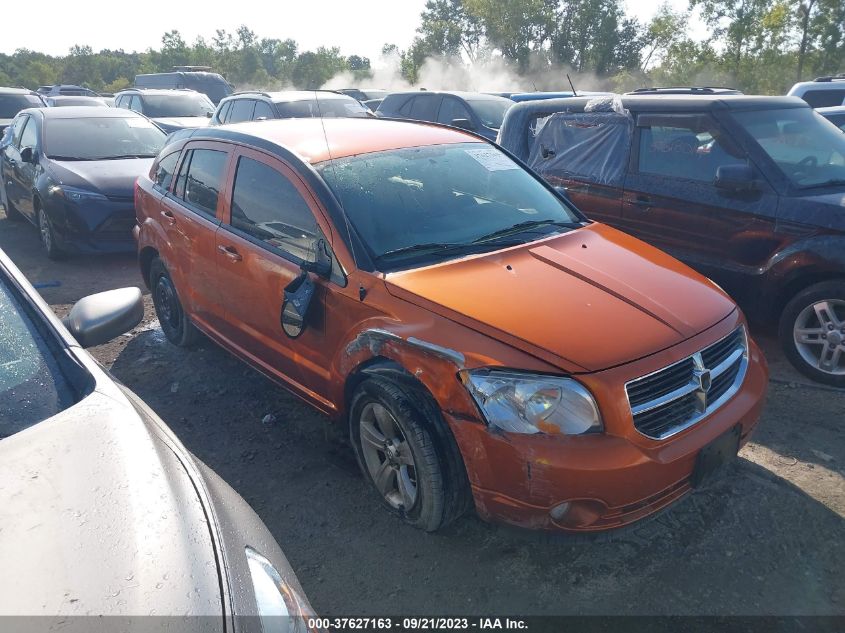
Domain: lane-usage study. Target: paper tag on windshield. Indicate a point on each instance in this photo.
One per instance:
(492, 159)
(137, 122)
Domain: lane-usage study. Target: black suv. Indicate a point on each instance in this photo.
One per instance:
(170, 110)
(286, 104)
(13, 100)
(748, 190)
(475, 111)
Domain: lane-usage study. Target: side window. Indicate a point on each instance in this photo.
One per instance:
(118, 103)
(690, 148)
(200, 178)
(405, 110)
(17, 130)
(135, 104)
(267, 206)
(163, 175)
(241, 110)
(29, 137)
(262, 111)
(425, 108)
(824, 98)
(452, 109)
(222, 111)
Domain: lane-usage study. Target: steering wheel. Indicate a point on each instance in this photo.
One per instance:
(807, 161)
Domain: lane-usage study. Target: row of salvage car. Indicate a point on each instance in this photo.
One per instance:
(482, 341)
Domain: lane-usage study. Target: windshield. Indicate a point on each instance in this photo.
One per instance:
(490, 111)
(102, 138)
(329, 108)
(430, 203)
(807, 148)
(32, 387)
(157, 106)
(10, 105)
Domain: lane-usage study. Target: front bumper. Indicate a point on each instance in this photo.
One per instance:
(93, 226)
(609, 480)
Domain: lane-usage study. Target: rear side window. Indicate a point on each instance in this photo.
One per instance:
(200, 179)
(262, 111)
(163, 175)
(267, 206)
(241, 111)
(690, 148)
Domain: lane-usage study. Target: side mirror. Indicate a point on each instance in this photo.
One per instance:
(208, 115)
(99, 318)
(465, 124)
(28, 155)
(735, 178)
(300, 292)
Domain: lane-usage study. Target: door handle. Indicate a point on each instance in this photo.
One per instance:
(230, 252)
(644, 202)
(168, 215)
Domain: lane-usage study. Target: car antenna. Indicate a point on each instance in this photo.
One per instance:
(574, 93)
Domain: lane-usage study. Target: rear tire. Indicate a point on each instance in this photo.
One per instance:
(812, 332)
(402, 458)
(175, 323)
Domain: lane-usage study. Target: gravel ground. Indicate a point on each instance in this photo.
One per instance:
(767, 539)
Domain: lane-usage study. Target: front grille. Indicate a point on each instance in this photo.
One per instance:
(676, 397)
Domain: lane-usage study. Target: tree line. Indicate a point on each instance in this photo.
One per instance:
(758, 46)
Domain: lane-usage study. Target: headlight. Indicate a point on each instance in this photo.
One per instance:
(280, 608)
(72, 194)
(531, 403)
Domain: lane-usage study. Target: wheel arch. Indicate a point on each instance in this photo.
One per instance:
(145, 261)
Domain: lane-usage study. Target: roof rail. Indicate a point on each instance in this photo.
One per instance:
(251, 92)
(827, 78)
(192, 68)
(683, 89)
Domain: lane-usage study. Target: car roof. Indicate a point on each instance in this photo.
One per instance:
(658, 102)
(85, 112)
(16, 91)
(476, 96)
(287, 96)
(316, 140)
(159, 91)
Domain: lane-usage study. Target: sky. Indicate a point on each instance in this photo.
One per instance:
(358, 27)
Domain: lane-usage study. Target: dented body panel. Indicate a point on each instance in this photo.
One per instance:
(591, 303)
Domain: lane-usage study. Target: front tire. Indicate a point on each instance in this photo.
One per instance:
(400, 456)
(175, 322)
(812, 332)
(48, 236)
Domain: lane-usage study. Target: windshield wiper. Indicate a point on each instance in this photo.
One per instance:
(54, 157)
(522, 227)
(443, 248)
(827, 183)
(122, 156)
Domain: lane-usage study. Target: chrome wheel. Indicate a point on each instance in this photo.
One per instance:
(388, 456)
(819, 333)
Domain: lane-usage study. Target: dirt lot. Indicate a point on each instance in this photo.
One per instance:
(767, 539)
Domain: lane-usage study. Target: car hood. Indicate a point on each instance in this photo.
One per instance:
(587, 300)
(109, 177)
(100, 516)
(171, 124)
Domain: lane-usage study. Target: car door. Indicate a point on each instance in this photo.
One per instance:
(241, 110)
(452, 109)
(23, 174)
(424, 107)
(11, 161)
(136, 104)
(672, 202)
(190, 215)
(271, 224)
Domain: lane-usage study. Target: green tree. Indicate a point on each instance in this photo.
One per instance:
(517, 28)
(450, 30)
(314, 68)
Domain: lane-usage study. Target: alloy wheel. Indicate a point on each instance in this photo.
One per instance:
(819, 333)
(46, 232)
(388, 457)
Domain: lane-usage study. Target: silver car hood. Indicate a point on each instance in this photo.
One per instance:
(100, 516)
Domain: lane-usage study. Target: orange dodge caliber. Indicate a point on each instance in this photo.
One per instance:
(484, 342)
